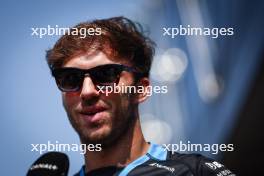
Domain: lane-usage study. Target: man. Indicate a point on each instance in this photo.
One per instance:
(116, 52)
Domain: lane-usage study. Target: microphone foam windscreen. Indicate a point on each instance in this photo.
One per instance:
(50, 164)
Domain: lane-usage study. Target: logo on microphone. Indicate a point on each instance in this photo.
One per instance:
(44, 166)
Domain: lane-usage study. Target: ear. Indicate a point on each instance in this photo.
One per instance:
(143, 89)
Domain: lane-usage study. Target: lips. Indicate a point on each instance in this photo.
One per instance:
(93, 113)
(92, 110)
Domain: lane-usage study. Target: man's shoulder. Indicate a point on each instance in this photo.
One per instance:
(198, 164)
(166, 163)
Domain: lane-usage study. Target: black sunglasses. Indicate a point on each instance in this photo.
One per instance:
(70, 79)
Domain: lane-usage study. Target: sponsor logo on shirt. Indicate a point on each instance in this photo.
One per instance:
(170, 169)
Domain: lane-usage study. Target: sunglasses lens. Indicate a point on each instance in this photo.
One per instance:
(71, 79)
(106, 75)
(68, 79)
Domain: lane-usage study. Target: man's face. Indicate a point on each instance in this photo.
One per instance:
(98, 118)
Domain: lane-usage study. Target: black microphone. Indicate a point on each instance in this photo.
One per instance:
(50, 164)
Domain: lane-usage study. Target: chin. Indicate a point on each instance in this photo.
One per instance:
(97, 136)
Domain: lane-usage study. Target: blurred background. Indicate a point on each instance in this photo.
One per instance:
(215, 85)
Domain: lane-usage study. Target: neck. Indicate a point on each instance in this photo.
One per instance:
(129, 147)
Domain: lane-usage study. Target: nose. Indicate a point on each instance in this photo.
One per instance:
(88, 90)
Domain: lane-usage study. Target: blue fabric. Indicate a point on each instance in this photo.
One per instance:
(82, 173)
(134, 164)
(155, 152)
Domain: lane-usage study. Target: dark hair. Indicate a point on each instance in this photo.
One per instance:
(119, 39)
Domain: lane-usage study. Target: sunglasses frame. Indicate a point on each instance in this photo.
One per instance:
(89, 72)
